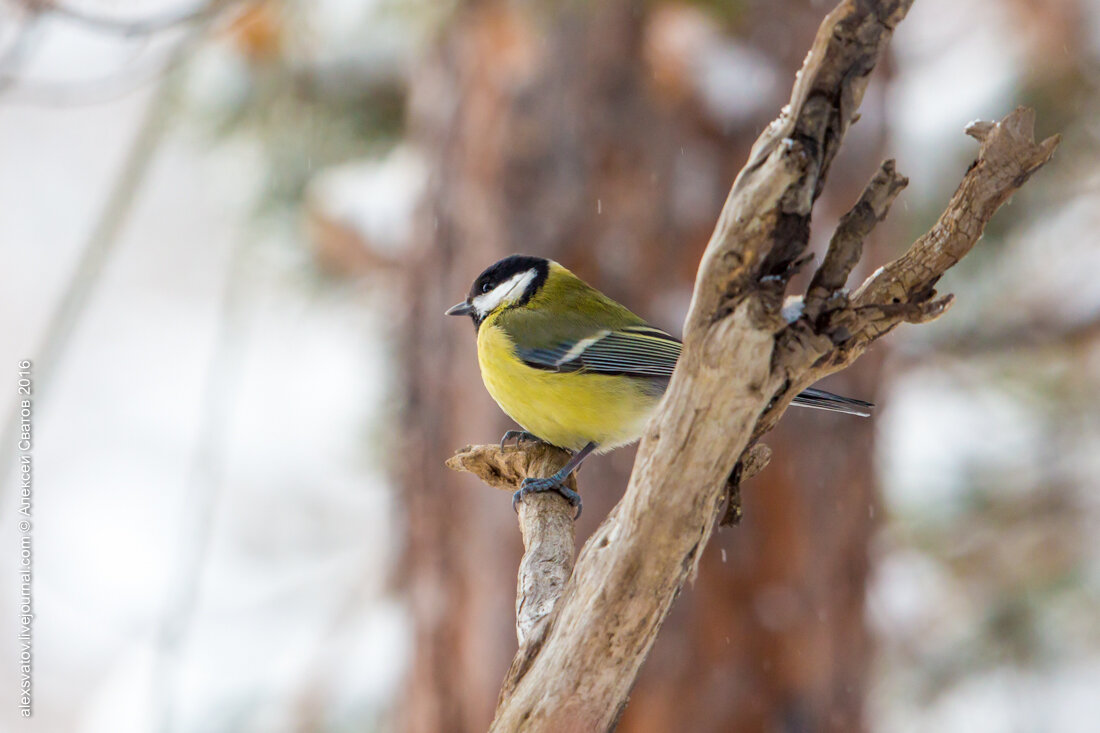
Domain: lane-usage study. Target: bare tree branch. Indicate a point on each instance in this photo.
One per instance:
(103, 237)
(545, 520)
(846, 246)
(144, 25)
(546, 523)
(742, 364)
(1008, 157)
(631, 569)
(142, 69)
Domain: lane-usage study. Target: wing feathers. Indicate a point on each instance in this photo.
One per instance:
(652, 333)
(636, 351)
(644, 351)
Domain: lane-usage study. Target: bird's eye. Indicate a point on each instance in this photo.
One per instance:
(485, 287)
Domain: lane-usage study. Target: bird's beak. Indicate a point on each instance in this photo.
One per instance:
(460, 309)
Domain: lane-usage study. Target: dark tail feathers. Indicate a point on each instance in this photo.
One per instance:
(822, 400)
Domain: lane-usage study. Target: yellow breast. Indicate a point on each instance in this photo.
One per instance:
(566, 409)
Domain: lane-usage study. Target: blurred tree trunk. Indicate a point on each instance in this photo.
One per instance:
(551, 132)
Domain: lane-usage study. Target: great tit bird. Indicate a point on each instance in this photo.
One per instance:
(574, 368)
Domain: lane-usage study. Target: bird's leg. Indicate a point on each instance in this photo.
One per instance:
(556, 482)
(520, 436)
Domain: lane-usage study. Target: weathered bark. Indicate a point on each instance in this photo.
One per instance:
(546, 136)
(545, 522)
(742, 364)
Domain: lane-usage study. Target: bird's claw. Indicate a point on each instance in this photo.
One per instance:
(520, 436)
(540, 485)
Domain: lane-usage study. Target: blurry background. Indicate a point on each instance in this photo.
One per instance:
(230, 230)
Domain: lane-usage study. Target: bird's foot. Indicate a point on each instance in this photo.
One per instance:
(539, 485)
(520, 436)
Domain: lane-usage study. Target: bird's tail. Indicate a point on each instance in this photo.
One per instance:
(822, 400)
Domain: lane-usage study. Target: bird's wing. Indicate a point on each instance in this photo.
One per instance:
(641, 351)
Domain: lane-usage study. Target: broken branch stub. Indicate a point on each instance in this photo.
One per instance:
(545, 521)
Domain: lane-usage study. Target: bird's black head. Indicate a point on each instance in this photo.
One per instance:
(505, 284)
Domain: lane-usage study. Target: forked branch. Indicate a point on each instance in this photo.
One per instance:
(743, 362)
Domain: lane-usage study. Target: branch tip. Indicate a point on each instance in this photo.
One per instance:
(505, 468)
(980, 129)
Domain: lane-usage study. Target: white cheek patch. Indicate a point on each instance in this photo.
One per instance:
(511, 289)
